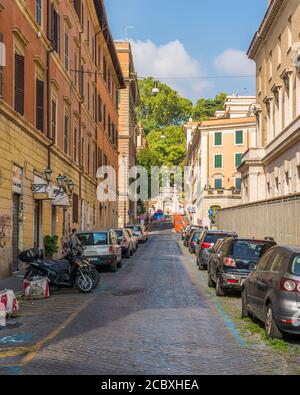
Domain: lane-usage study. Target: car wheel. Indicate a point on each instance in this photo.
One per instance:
(245, 313)
(219, 290)
(131, 252)
(272, 330)
(114, 266)
(210, 281)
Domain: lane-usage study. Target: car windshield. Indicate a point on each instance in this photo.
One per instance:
(212, 238)
(93, 239)
(249, 249)
(296, 266)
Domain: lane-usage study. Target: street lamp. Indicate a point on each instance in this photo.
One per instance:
(48, 175)
(71, 186)
(60, 180)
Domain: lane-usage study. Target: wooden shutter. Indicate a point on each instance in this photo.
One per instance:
(19, 83)
(1, 70)
(40, 105)
(75, 208)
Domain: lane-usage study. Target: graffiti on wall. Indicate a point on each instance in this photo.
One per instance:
(5, 224)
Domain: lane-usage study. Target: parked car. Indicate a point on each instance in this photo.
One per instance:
(134, 239)
(101, 248)
(194, 240)
(234, 261)
(206, 243)
(140, 231)
(125, 242)
(272, 292)
(184, 231)
(189, 233)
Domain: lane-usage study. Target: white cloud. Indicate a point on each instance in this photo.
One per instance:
(167, 61)
(234, 62)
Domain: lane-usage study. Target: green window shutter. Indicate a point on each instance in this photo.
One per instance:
(218, 183)
(218, 138)
(238, 159)
(218, 161)
(239, 137)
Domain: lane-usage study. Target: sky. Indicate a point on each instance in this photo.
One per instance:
(179, 41)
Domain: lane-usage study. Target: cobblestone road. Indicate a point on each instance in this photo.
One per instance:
(152, 317)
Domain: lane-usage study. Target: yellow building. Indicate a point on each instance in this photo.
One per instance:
(214, 153)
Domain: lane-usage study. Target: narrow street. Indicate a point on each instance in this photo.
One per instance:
(153, 317)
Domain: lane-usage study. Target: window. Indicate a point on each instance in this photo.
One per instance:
(55, 29)
(19, 83)
(39, 105)
(88, 96)
(264, 262)
(54, 119)
(99, 109)
(109, 127)
(88, 158)
(75, 144)
(104, 117)
(104, 69)
(75, 67)
(66, 51)
(289, 34)
(75, 200)
(279, 50)
(82, 81)
(238, 159)
(218, 183)
(218, 138)
(218, 161)
(270, 65)
(39, 12)
(66, 134)
(238, 184)
(239, 137)
(1, 70)
(278, 261)
(77, 6)
(99, 57)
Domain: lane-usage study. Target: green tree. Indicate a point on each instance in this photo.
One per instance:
(164, 109)
(206, 108)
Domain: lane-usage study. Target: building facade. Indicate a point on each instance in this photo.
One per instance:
(129, 133)
(58, 121)
(214, 153)
(271, 169)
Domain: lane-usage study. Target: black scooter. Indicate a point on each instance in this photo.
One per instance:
(60, 273)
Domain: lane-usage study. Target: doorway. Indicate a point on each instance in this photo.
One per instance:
(15, 231)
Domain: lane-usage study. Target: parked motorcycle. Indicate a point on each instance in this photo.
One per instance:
(60, 273)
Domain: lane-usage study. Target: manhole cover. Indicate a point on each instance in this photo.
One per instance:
(129, 292)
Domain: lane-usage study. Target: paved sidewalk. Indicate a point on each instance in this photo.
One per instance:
(15, 282)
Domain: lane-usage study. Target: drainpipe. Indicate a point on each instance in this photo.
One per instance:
(49, 87)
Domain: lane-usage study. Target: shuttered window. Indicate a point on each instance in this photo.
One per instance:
(239, 137)
(77, 6)
(66, 134)
(238, 159)
(54, 117)
(75, 143)
(40, 105)
(218, 183)
(238, 184)
(99, 109)
(1, 69)
(66, 52)
(218, 161)
(19, 83)
(75, 208)
(104, 117)
(82, 81)
(39, 12)
(218, 138)
(55, 29)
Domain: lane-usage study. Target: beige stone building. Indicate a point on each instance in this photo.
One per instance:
(130, 133)
(272, 168)
(214, 153)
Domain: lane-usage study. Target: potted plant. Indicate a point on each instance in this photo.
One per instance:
(51, 246)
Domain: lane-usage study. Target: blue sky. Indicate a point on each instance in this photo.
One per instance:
(178, 39)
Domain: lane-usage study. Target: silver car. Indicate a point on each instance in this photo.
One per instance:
(272, 292)
(101, 248)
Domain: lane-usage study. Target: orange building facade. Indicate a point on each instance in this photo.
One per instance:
(59, 93)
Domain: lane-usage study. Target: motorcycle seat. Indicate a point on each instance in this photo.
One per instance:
(57, 266)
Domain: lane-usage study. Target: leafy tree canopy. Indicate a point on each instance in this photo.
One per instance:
(206, 108)
(164, 109)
